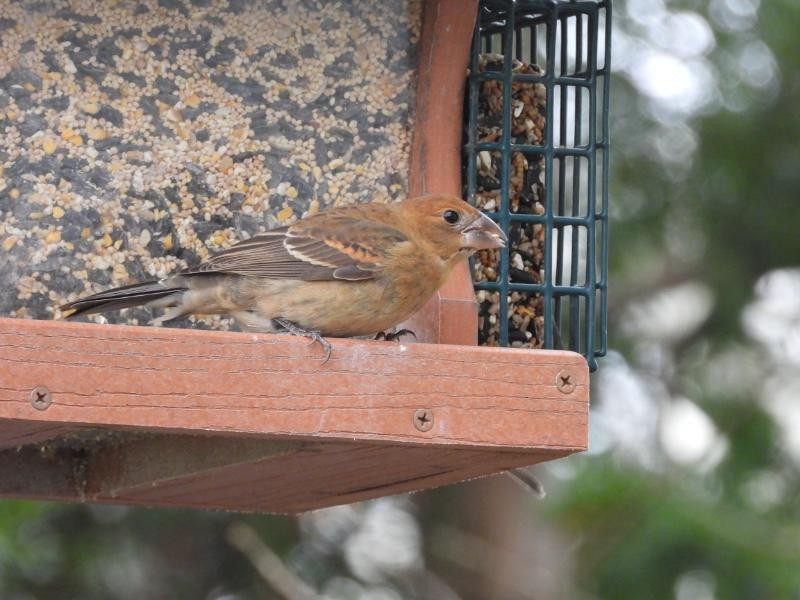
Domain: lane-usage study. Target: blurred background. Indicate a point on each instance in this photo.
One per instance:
(690, 489)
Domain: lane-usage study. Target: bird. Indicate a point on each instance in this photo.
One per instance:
(349, 271)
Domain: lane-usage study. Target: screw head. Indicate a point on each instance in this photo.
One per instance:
(565, 382)
(40, 398)
(423, 419)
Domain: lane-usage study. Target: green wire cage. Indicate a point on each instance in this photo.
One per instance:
(536, 150)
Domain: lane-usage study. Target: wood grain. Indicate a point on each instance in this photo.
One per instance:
(236, 474)
(15, 433)
(178, 417)
(245, 383)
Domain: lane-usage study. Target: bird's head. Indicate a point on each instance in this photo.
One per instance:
(453, 226)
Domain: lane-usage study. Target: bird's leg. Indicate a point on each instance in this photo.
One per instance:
(394, 336)
(315, 336)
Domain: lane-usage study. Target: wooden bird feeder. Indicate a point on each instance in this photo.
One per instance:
(251, 422)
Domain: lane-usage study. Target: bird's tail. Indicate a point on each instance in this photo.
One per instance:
(127, 296)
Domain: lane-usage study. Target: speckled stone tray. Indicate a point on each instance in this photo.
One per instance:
(139, 137)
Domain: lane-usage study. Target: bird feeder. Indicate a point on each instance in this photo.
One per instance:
(140, 137)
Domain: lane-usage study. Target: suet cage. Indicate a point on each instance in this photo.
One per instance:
(536, 161)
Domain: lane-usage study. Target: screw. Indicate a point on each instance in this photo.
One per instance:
(564, 382)
(423, 419)
(40, 398)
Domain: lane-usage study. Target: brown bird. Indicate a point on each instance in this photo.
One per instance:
(350, 271)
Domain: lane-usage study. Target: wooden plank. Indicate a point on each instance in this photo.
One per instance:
(447, 27)
(19, 433)
(451, 316)
(196, 381)
(126, 463)
(234, 473)
(314, 477)
(33, 472)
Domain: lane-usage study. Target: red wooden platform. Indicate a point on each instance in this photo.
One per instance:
(156, 416)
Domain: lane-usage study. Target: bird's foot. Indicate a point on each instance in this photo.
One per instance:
(394, 336)
(315, 336)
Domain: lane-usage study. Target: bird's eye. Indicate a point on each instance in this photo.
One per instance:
(450, 216)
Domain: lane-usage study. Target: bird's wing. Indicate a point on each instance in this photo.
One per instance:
(317, 249)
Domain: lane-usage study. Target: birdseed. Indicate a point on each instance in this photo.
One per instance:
(526, 196)
(139, 137)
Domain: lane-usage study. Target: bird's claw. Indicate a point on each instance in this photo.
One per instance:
(315, 336)
(394, 336)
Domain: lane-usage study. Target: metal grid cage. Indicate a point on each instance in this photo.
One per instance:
(537, 162)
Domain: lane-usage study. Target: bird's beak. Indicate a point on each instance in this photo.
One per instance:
(483, 234)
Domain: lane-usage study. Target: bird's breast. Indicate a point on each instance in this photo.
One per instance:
(341, 308)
